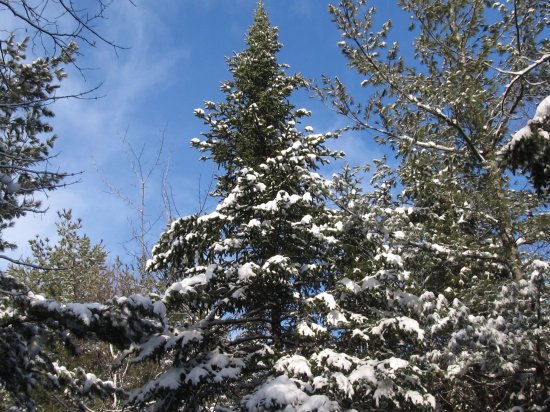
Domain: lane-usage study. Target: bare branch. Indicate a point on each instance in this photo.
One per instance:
(520, 74)
(35, 15)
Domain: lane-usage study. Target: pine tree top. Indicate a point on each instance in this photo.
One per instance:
(251, 124)
(261, 32)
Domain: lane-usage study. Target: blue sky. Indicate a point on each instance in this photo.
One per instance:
(175, 60)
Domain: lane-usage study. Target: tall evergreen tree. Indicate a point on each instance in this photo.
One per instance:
(312, 308)
(249, 269)
(470, 232)
(248, 126)
(267, 309)
(449, 114)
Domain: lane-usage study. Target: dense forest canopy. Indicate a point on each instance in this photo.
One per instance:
(425, 288)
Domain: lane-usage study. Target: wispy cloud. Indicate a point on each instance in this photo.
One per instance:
(90, 130)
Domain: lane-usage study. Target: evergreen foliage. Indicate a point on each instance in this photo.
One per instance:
(73, 270)
(69, 273)
(31, 326)
(529, 149)
(25, 91)
(448, 113)
(388, 301)
(247, 127)
(472, 243)
(251, 272)
(427, 291)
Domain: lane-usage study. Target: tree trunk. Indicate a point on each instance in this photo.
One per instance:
(506, 230)
(276, 327)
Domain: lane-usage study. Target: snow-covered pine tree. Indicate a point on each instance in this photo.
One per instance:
(529, 148)
(27, 320)
(266, 317)
(247, 127)
(71, 271)
(469, 231)
(249, 271)
(448, 112)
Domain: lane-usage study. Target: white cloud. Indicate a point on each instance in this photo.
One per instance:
(89, 130)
